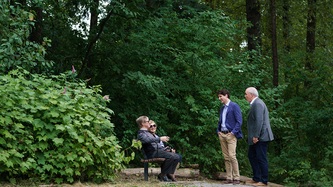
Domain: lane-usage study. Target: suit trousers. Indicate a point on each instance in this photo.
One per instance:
(228, 145)
(257, 155)
(170, 164)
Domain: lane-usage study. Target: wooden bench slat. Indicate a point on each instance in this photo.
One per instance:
(153, 160)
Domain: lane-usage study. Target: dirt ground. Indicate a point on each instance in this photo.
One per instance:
(133, 177)
(185, 177)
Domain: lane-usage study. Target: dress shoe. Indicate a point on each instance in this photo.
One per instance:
(236, 182)
(259, 184)
(163, 178)
(172, 177)
(228, 181)
(250, 182)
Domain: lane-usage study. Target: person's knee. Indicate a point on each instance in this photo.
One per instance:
(176, 158)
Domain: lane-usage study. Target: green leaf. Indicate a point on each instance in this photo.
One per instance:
(3, 156)
(60, 127)
(59, 180)
(71, 156)
(80, 139)
(38, 123)
(9, 164)
(58, 141)
(69, 171)
(2, 141)
(48, 167)
(8, 134)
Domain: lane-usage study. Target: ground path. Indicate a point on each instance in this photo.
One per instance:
(189, 177)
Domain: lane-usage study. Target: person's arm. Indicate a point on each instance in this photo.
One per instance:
(238, 119)
(144, 137)
(258, 118)
(147, 137)
(218, 130)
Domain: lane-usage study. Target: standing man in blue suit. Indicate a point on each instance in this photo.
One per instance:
(229, 130)
(259, 134)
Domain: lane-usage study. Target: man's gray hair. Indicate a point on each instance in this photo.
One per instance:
(140, 120)
(253, 90)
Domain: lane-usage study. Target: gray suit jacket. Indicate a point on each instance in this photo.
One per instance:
(258, 124)
(150, 144)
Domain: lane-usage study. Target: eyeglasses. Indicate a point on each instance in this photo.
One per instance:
(151, 126)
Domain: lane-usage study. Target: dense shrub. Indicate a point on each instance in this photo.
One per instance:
(55, 130)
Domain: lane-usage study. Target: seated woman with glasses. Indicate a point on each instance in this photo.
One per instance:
(153, 149)
(152, 129)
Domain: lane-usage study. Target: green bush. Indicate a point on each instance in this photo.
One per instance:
(55, 130)
(15, 47)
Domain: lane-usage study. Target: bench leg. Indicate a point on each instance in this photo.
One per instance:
(145, 172)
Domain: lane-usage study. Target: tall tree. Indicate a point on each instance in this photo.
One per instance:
(95, 33)
(92, 39)
(253, 17)
(94, 13)
(36, 34)
(310, 37)
(286, 27)
(274, 43)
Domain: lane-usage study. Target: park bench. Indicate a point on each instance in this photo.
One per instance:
(146, 162)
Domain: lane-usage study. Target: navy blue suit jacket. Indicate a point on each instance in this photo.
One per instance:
(233, 119)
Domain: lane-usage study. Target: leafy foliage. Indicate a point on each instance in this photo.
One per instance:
(166, 59)
(56, 130)
(174, 66)
(16, 49)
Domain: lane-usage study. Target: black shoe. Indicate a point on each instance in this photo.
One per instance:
(172, 177)
(163, 178)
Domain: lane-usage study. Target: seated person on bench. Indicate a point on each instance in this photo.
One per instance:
(153, 149)
(152, 129)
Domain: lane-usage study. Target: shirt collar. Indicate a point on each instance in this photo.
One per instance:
(227, 104)
(253, 100)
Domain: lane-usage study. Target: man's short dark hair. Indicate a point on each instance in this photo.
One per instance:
(224, 92)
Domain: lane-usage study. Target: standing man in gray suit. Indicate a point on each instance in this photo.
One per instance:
(259, 134)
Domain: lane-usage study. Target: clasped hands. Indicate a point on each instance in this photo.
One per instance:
(164, 138)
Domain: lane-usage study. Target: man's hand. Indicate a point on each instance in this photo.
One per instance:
(255, 140)
(164, 138)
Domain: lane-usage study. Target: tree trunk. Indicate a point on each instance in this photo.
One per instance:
(92, 41)
(286, 26)
(310, 34)
(310, 39)
(94, 33)
(36, 33)
(94, 17)
(286, 36)
(274, 44)
(253, 32)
